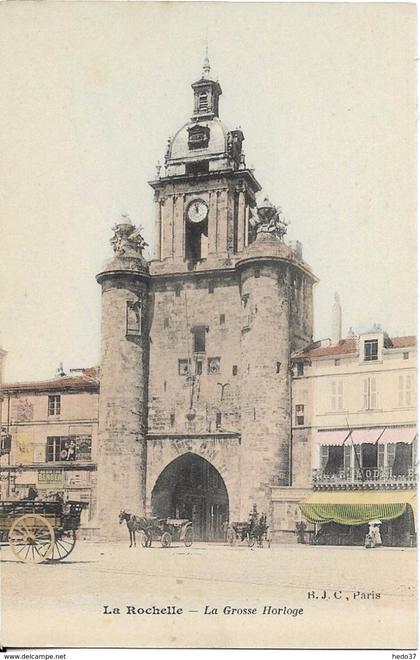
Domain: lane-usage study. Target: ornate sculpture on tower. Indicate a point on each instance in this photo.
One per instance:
(269, 221)
(127, 240)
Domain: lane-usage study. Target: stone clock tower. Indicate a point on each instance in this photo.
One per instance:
(204, 391)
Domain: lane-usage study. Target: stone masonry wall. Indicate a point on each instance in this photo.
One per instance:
(122, 405)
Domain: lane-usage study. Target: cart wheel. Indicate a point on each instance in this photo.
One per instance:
(251, 541)
(31, 538)
(188, 540)
(63, 545)
(166, 540)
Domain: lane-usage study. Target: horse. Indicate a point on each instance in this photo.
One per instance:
(136, 524)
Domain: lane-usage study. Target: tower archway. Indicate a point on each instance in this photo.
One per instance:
(191, 487)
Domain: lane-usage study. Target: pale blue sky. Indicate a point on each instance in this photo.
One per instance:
(325, 95)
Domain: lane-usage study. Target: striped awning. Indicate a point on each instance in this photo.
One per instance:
(398, 434)
(357, 507)
(368, 436)
(334, 437)
(379, 434)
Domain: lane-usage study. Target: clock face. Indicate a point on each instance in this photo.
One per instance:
(197, 211)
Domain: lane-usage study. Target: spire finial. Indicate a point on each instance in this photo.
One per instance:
(206, 63)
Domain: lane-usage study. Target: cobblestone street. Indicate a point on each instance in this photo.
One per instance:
(63, 604)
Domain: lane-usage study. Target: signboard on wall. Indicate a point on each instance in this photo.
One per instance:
(51, 479)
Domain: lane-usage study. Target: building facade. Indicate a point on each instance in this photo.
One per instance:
(52, 427)
(195, 391)
(354, 440)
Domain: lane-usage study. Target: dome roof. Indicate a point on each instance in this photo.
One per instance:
(217, 142)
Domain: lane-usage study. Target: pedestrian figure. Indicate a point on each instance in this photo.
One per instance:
(373, 537)
(225, 528)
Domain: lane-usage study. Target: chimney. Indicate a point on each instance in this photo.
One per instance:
(336, 320)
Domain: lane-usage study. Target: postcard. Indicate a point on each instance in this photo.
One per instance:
(208, 348)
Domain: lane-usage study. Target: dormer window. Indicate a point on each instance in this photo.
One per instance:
(198, 137)
(371, 350)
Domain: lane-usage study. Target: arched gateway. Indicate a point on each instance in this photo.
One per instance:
(191, 487)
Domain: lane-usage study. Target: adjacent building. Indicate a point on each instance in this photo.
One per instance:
(52, 426)
(354, 440)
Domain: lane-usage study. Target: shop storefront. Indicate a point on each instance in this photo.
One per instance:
(342, 518)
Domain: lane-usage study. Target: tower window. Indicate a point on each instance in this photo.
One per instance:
(172, 419)
(196, 241)
(211, 287)
(166, 323)
(218, 420)
(133, 319)
(199, 368)
(235, 370)
(405, 356)
(199, 340)
(222, 319)
(202, 101)
(371, 349)
(257, 272)
(198, 167)
(183, 367)
(278, 365)
(178, 291)
(299, 369)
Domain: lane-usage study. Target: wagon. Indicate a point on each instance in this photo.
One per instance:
(40, 531)
(239, 532)
(168, 530)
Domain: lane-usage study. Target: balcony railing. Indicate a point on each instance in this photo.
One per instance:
(379, 476)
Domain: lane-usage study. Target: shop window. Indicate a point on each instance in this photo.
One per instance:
(54, 404)
(199, 339)
(299, 415)
(371, 349)
(69, 448)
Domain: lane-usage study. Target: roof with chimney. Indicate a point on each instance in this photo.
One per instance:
(350, 345)
(82, 380)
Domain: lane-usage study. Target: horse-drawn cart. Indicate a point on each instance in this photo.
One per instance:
(40, 531)
(164, 530)
(255, 531)
(168, 530)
